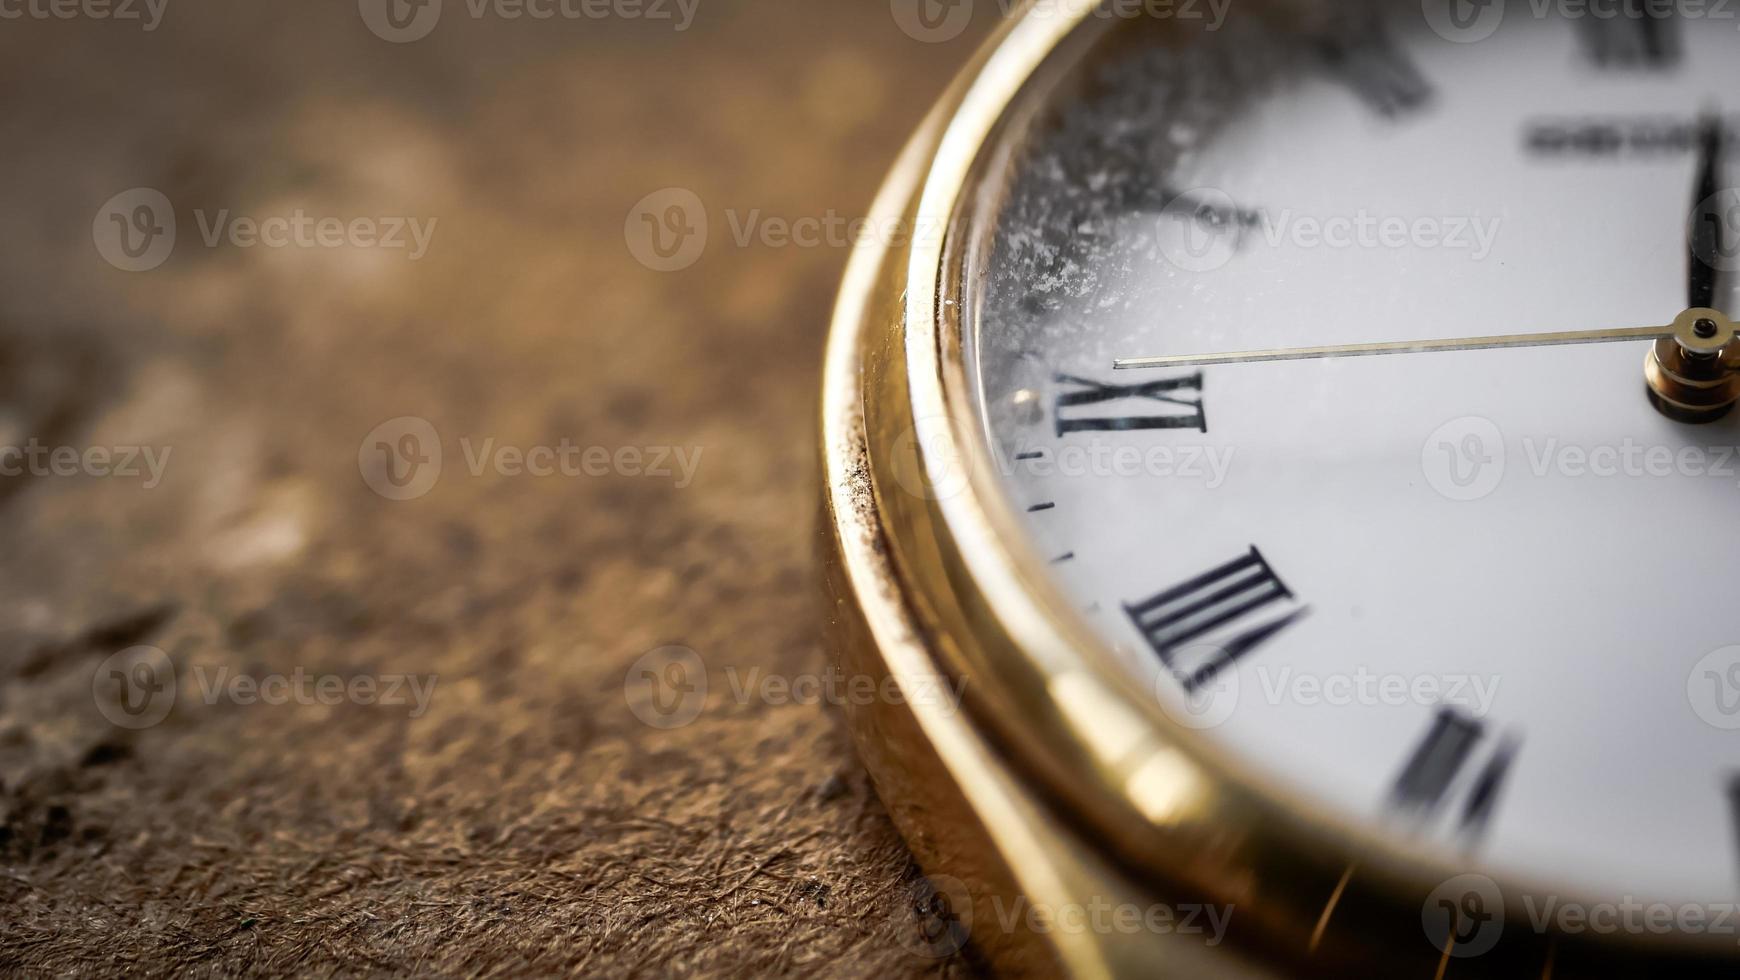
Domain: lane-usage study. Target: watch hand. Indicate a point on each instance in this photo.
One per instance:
(1692, 372)
(1401, 347)
(1706, 238)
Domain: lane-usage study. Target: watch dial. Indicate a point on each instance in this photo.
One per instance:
(1481, 601)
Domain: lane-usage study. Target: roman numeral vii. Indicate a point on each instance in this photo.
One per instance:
(1203, 626)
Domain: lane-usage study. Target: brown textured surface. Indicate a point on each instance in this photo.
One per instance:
(528, 822)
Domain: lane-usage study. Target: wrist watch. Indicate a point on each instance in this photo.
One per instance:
(1278, 473)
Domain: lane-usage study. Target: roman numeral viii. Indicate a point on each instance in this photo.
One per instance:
(1075, 410)
(1205, 625)
(1432, 781)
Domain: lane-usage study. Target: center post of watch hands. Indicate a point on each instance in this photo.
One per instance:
(1694, 375)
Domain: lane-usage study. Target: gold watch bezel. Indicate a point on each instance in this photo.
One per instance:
(929, 571)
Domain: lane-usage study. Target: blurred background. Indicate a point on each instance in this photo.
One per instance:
(383, 384)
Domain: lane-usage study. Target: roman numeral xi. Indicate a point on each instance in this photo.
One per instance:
(1076, 411)
(1203, 626)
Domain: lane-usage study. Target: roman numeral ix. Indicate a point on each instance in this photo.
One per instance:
(1205, 625)
(1073, 410)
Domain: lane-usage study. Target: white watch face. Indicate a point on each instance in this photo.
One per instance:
(1482, 601)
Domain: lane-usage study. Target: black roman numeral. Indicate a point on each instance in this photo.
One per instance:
(1636, 35)
(1361, 53)
(1072, 409)
(1424, 788)
(1227, 597)
(1733, 789)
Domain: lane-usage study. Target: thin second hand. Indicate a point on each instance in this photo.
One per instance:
(1402, 347)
